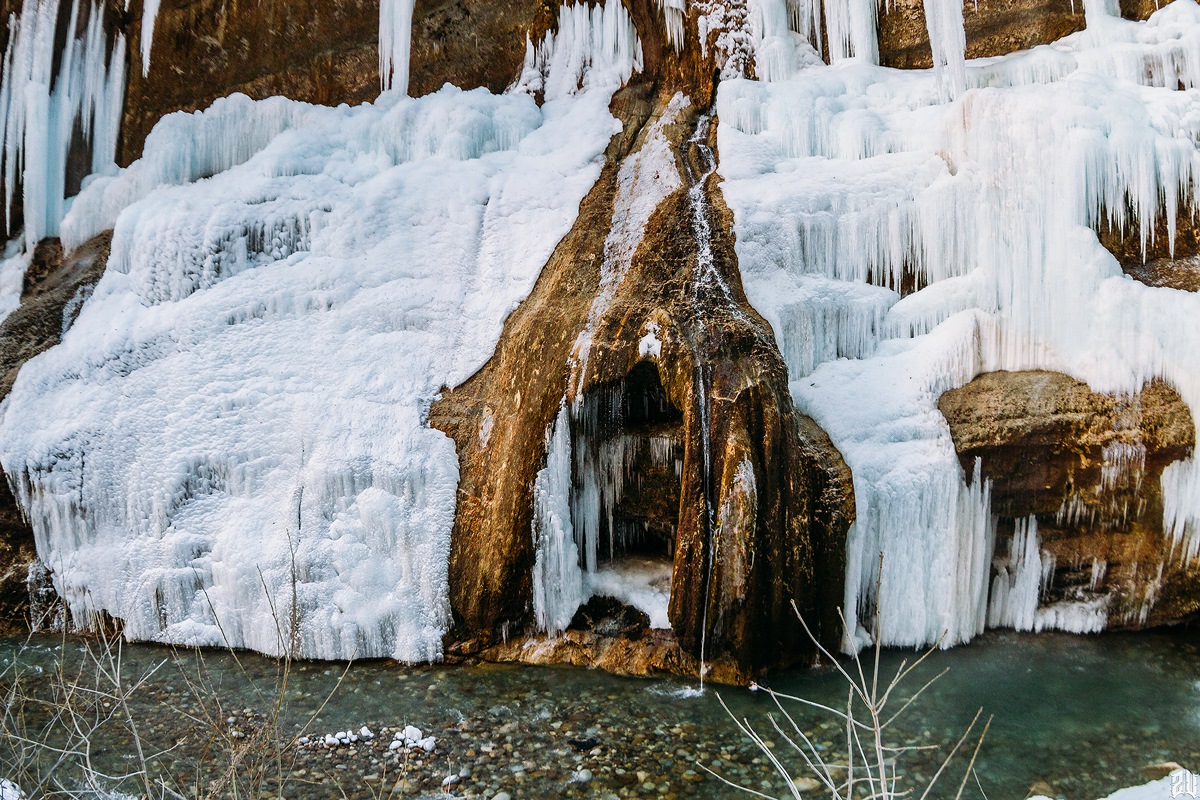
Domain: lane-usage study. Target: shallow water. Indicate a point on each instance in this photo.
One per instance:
(1081, 714)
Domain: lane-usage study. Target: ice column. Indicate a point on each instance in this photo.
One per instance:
(39, 111)
(395, 43)
(557, 578)
(948, 40)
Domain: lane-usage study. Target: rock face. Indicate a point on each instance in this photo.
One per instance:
(757, 515)
(1170, 258)
(993, 27)
(319, 51)
(55, 287)
(1087, 466)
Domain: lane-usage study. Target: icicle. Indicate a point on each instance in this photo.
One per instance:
(149, 16)
(37, 123)
(948, 40)
(1018, 585)
(594, 47)
(395, 44)
(674, 12)
(557, 580)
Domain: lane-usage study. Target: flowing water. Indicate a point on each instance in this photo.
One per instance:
(1080, 713)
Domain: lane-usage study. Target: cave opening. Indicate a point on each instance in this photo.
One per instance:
(626, 479)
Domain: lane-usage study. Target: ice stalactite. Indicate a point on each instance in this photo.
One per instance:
(149, 18)
(395, 43)
(948, 41)
(850, 181)
(675, 14)
(594, 47)
(557, 577)
(1023, 580)
(1020, 581)
(39, 109)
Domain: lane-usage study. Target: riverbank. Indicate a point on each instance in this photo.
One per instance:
(1077, 715)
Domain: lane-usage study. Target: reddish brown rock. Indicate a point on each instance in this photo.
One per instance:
(739, 558)
(1088, 466)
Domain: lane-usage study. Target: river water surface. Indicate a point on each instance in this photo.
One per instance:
(1080, 714)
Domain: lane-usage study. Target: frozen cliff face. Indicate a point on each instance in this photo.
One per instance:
(231, 440)
(853, 184)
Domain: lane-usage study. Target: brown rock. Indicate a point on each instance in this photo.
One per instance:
(739, 557)
(1053, 449)
(993, 27)
(1161, 262)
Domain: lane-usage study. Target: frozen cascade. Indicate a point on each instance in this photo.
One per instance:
(674, 12)
(557, 578)
(39, 109)
(1020, 580)
(850, 181)
(243, 399)
(593, 46)
(1024, 578)
(948, 41)
(395, 43)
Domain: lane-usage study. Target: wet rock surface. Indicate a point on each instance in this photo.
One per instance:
(1169, 258)
(1088, 467)
(716, 364)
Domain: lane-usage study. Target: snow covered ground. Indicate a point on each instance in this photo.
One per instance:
(233, 432)
(843, 178)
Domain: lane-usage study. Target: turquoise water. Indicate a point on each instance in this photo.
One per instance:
(1081, 714)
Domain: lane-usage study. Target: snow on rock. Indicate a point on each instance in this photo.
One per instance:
(10, 791)
(40, 109)
(240, 408)
(849, 181)
(644, 583)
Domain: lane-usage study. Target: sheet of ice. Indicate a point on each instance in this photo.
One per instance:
(644, 583)
(233, 433)
(850, 178)
(40, 109)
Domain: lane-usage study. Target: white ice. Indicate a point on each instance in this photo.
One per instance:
(233, 434)
(849, 181)
(40, 109)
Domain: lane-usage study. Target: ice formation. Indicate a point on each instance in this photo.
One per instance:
(395, 43)
(40, 108)
(851, 182)
(558, 590)
(241, 439)
(593, 46)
